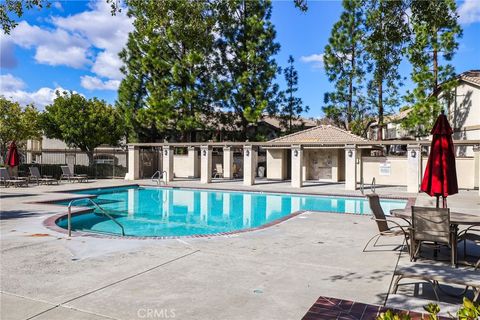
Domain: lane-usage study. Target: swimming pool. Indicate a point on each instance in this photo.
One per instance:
(172, 212)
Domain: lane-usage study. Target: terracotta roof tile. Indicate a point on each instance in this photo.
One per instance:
(321, 134)
(472, 76)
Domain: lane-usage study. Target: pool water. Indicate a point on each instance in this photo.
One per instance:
(164, 212)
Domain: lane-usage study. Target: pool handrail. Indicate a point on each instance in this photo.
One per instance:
(103, 211)
(161, 174)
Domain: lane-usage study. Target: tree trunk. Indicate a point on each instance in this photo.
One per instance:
(380, 110)
(91, 160)
(435, 69)
(350, 85)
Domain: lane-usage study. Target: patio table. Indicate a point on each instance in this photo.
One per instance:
(456, 219)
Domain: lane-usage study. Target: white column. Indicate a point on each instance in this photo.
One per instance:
(168, 162)
(133, 163)
(476, 153)
(228, 162)
(249, 165)
(193, 162)
(414, 161)
(206, 164)
(297, 166)
(350, 167)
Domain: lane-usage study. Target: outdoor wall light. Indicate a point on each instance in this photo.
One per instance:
(204, 153)
(247, 152)
(413, 153)
(350, 153)
(295, 153)
(166, 152)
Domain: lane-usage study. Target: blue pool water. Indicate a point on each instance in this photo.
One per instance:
(160, 212)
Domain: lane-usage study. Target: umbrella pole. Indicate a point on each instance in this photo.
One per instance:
(444, 202)
(438, 200)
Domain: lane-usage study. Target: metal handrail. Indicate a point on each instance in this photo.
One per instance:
(372, 186)
(160, 176)
(69, 221)
(362, 186)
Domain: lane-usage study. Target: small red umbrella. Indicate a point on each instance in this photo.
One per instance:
(440, 177)
(13, 159)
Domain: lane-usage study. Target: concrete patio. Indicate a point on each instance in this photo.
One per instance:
(274, 273)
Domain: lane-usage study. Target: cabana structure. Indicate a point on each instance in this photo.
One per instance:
(325, 154)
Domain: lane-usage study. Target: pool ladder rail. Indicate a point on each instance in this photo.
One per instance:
(160, 178)
(372, 186)
(103, 211)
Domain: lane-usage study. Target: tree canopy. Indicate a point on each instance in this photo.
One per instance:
(17, 123)
(82, 123)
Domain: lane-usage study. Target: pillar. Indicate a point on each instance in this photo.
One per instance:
(228, 162)
(133, 163)
(249, 165)
(350, 167)
(297, 166)
(206, 164)
(414, 164)
(193, 162)
(168, 163)
(476, 152)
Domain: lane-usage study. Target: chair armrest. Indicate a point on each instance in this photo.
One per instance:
(397, 225)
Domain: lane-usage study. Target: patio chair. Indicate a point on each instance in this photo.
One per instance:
(218, 171)
(430, 226)
(384, 230)
(7, 180)
(35, 176)
(68, 175)
(470, 234)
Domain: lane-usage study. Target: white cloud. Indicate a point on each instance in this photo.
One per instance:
(469, 12)
(315, 59)
(12, 88)
(57, 5)
(107, 64)
(56, 47)
(92, 39)
(9, 82)
(95, 83)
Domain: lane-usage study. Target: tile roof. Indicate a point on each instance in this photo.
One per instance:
(472, 76)
(321, 134)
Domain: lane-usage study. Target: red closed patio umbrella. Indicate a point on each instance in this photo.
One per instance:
(13, 159)
(440, 177)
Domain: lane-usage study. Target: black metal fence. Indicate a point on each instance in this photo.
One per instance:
(108, 163)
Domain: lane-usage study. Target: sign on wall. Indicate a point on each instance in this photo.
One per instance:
(385, 168)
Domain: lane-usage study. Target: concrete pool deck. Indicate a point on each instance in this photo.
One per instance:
(273, 273)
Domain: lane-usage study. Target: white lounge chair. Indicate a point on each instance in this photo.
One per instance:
(218, 171)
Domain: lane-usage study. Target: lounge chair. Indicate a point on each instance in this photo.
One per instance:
(68, 175)
(384, 230)
(35, 176)
(436, 274)
(218, 171)
(430, 226)
(7, 180)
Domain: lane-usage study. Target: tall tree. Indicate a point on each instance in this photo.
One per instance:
(291, 106)
(17, 124)
(435, 31)
(246, 44)
(81, 123)
(344, 66)
(168, 84)
(386, 35)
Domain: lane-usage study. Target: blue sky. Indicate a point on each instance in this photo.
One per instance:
(73, 45)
